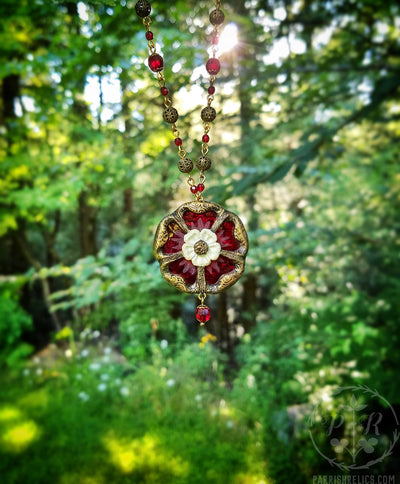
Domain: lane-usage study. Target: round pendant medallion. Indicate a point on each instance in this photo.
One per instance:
(201, 247)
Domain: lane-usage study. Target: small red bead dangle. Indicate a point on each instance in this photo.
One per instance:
(203, 313)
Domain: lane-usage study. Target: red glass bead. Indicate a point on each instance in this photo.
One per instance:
(200, 187)
(164, 91)
(193, 189)
(203, 314)
(156, 63)
(149, 35)
(213, 66)
(206, 138)
(178, 141)
(211, 90)
(215, 39)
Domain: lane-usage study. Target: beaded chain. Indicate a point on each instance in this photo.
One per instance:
(170, 114)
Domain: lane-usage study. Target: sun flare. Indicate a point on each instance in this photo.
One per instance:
(228, 39)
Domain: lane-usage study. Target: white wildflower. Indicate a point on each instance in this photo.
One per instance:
(94, 366)
(102, 387)
(84, 353)
(170, 382)
(163, 344)
(250, 381)
(124, 391)
(83, 396)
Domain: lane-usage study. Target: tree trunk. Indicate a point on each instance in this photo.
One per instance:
(44, 281)
(87, 226)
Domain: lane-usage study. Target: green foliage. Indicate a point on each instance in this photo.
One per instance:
(14, 321)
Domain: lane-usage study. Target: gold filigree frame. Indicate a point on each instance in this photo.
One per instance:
(237, 257)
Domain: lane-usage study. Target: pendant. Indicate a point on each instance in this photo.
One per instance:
(201, 248)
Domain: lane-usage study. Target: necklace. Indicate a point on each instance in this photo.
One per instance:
(201, 247)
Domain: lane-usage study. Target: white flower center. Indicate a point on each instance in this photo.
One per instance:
(201, 247)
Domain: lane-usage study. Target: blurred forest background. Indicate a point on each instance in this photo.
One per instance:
(105, 376)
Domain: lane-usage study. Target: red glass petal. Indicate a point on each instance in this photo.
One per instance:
(203, 314)
(225, 236)
(175, 241)
(200, 221)
(217, 268)
(184, 268)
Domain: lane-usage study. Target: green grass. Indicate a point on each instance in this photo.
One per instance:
(76, 423)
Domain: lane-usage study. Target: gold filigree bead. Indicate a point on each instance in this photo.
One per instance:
(201, 247)
(185, 165)
(170, 115)
(203, 163)
(217, 17)
(208, 114)
(143, 8)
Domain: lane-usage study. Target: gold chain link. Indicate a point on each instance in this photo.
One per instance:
(175, 131)
(202, 297)
(161, 79)
(181, 153)
(167, 102)
(190, 181)
(152, 47)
